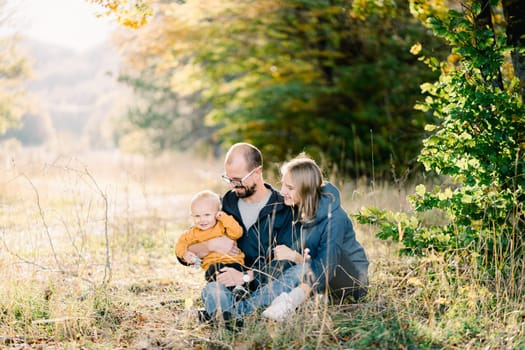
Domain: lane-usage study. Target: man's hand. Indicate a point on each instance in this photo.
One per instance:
(230, 277)
(223, 245)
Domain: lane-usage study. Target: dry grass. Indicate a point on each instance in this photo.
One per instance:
(59, 216)
(87, 262)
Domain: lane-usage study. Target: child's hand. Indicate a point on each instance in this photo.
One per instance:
(189, 257)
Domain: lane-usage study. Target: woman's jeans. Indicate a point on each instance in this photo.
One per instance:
(218, 298)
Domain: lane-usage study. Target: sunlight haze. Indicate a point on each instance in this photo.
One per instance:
(68, 23)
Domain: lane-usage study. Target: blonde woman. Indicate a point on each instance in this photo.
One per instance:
(328, 255)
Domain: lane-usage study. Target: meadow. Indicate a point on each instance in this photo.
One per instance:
(87, 262)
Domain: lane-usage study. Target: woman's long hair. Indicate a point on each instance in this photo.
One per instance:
(307, 179)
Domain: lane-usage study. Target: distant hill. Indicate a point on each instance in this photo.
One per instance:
(72, 92)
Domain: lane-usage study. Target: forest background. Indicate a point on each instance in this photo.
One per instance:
(337, 79)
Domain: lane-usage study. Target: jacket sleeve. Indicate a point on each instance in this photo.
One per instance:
(232, 229)
(325, 262)
(284, 229)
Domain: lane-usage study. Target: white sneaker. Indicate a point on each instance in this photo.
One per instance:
(284, 305)
(280, 309)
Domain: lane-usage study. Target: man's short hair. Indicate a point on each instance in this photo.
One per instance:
(252, 155)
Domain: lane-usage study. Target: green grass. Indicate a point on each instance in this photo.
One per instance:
(56, 264)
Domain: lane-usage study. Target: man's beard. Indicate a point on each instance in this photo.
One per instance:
(248, 191)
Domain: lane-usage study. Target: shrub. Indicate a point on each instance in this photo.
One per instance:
(476, 142)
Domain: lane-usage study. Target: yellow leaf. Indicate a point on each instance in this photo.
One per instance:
(415, 49)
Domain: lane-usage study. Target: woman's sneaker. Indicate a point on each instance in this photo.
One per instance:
(284, 305)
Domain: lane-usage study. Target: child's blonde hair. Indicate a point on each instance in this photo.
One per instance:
(206, 195)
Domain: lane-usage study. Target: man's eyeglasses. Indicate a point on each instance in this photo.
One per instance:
(238, 182)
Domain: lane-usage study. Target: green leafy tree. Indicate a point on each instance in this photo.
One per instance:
(164, 117)
(514, 12)
(165, 112)
(13, 69)
(477, 142)
(333, 78)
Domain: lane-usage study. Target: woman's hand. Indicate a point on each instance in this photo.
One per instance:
(282, 252)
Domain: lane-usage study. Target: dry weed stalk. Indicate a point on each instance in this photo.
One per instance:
(59, 266)
(107, 267)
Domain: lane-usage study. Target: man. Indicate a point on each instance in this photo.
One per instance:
(266, 223)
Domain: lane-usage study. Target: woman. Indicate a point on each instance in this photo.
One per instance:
(333, 260)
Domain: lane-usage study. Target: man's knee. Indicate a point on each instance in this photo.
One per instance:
(211, 288)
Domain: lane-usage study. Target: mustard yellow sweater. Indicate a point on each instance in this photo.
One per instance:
(226, 226)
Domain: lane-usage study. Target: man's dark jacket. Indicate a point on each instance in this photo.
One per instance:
(272, 228)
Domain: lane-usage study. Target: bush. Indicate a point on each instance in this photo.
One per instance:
(477, 142)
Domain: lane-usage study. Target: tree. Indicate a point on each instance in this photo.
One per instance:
(332, 78)
(166, 109)
(515, 16)
(477, 142)
(13, 69)
(129, 13)
(318, 76)
(338, 81)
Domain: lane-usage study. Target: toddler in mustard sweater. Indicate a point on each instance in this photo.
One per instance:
(209, 222)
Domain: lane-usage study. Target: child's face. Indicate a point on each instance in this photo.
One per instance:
(204, 212)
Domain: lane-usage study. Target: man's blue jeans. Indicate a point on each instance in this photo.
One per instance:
(217, 297)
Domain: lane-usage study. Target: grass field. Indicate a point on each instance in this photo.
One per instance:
(87, 262)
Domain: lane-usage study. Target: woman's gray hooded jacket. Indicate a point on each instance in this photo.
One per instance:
(337, 258)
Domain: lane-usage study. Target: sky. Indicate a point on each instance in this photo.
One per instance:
(68, 23)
